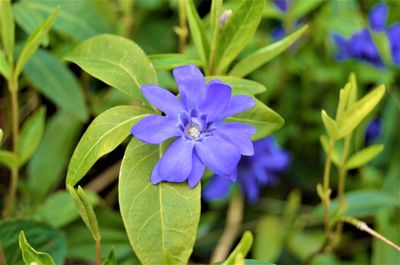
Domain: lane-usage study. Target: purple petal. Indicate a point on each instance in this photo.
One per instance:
(163, 100)
(217, 97)
(342, 44)
(155, 129)
(281, 4)
(197, 171)
(155, 176)
(393, 34)
(218, 154)
(236, 105)
(250, 188)
(239, 135)
(217, 188)
(278, 161)
(191, 85)
(377, 17)
(176, 163)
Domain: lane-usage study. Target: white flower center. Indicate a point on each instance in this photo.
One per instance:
(194, 132)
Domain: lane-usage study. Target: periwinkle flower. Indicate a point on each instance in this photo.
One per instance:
(253, 172)
(282, 5)
(373, 130)
(202, 138)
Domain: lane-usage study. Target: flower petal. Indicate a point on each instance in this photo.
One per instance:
(176, 163)
(218, 188)
(250, 188)
(191, 85)
(218, 154)
(155, 129)
(236, 105)
(163, 100)
(197, 171)
(393, 34)
(239, 135)
(343, 46)
(377, 17)
(217, 97)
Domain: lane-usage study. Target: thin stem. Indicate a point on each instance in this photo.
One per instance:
(326, 179)
(98, 252)
(183, 31)
(2, 256)
(232, 228)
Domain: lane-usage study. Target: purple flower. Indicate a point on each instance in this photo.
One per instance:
(373, 130)
(253, 172)
(196, 121)
(282, 5)
(377, 17)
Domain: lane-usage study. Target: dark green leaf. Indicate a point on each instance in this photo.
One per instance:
(240, 86)
(110, 260)
(7, 28)
(169, 61)
(30, 255)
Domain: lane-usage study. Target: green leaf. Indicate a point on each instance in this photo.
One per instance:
(240, 86)
(55, 149)
(33, 42)
(265, 54)
(117, 61)
(242, 248)
(336, 159)
(85, 210)
(7, 28)
(363, 156)
(58, 209)
(197, 32)
(31, 135)
(56, 82)
(298, 9)
(42, 237)
(110, 260)
(330, 125)
(160, 220)
(353, 116)
(4, 67)
(302, 244)
(103, 135)
(1, 135)
(9, 159)
(237, 32)
(265, 120)
(30, 255)
(269, 239)
(168, 61)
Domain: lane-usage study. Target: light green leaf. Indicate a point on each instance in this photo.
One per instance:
(269, 239)
(169, 61)
(335, 154)
(31, 135)
(240, 86)
(197, 32)
(85, 210)
(103, 135)
(298, 9)
(353, 116)
(33, 42)
(363, 156)
(160, 220)
(265, 54)
(237, 32)
(117, 61)
(215, 21)
(55, 149)
(330, 125)
(1, 135)
(56, 82)
(110, 260)
(264, 119)
(9, 159)
(30, 255)
(242, 248)
(4, 67)
(302, 244)
(7, 28)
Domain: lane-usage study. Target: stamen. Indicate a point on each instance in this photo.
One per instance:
(194, 132)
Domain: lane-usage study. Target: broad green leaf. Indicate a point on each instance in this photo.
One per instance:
(265, 54)
(103, 135)
(265, 120)
(30, 255)
(361, 203)
(58, 209)
(55, 149)
(302, 244)
(363, 156)
(242, 248)
(9, 159)
(353, 116)
(169, 61)
(110, 260)
(42, 237)
(7, 28)
(85, 210)
(237, 32)
(33, 42)
(269, 239)
(330, 125)
(4, 67)
(31, 135)
(77, 19)
(160, 220)
(298, 9)
(215, 21)
(197, 32)
(115, 60)
(240, 86)
(56, 82)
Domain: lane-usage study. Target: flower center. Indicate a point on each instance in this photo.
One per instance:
(194, 132)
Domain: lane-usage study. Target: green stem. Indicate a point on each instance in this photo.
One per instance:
(183, 31)
(326, 180)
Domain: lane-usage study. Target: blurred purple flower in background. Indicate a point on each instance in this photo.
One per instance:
(361, 45)
(253, 172)
(373, 130)
(202, 139)
(282, 5)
